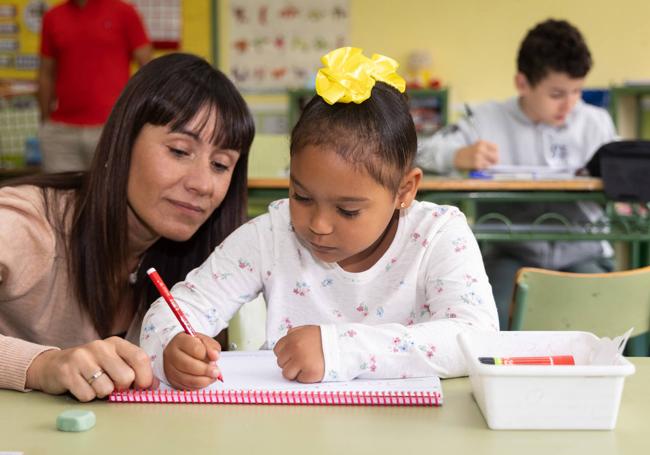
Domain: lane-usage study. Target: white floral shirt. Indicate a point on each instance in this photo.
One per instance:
(400, 318)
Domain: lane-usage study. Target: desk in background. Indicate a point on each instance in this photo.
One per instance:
(466, 193)
(437, 189)
(27, 424)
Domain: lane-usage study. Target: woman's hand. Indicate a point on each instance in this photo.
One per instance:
(92, 370)
(300, 354)
(191, 362)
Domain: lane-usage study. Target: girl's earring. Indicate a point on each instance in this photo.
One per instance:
(402, 205)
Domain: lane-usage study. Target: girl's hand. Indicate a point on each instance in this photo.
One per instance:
(300, 354)
(191, 362)
(92, 370)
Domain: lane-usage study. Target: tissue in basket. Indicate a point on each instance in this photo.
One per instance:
(586, 395)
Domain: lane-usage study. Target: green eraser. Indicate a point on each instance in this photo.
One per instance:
(75, 420)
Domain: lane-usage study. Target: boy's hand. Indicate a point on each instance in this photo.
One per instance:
(300, 354)
(480, 155)
(191, 362)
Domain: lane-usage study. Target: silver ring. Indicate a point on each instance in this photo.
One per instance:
(94, 377)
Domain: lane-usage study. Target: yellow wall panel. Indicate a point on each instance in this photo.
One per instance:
(474, 42)
(197, 27)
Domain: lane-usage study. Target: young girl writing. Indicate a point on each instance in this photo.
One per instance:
(360, 279)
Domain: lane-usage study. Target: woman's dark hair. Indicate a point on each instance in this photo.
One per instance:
(377, 134)
(169, 90)
(553, 45)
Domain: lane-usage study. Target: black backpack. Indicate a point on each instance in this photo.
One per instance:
(624, 167)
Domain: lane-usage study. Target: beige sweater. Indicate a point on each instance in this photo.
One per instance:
(38, 308)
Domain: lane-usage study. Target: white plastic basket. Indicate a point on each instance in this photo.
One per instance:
(571, 397)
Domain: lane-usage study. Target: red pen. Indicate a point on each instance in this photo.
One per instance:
(164, 292)
(541, 360)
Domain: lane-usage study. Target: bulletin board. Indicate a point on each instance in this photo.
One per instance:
(277, 44)
(20, 26)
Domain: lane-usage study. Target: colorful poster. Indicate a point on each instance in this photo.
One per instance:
(20, 27)
(277, 44)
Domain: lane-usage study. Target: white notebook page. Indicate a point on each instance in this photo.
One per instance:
(258, 370)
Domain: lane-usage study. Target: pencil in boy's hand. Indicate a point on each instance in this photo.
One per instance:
(164, 292)
(469, 115)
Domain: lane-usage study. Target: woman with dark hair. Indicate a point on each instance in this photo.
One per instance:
(167, 185)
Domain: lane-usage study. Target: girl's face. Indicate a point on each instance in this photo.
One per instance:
(177, 179)
(338, 211)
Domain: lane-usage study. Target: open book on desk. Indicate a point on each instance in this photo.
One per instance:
(516, 172)
(253, 377)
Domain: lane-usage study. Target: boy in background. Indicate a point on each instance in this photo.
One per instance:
(547, 124)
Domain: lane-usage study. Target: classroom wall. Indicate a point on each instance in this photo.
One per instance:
(474, 42)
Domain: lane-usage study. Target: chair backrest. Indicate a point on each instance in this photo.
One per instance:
(247, 328)
(269, 159)
(269, 156)
(606, 304)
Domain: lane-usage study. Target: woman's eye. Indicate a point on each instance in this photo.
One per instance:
(177, 152)
(349, 213)
(219, 167)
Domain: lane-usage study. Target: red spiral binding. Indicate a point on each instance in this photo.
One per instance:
(277, 397)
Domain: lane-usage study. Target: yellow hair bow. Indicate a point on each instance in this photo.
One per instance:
(349, 76)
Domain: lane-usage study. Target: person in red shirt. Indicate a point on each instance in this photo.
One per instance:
(86, 51)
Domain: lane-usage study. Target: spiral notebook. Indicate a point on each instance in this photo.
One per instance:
(254, 378)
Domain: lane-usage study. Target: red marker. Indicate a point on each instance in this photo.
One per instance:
(164, 292)
(542, 360)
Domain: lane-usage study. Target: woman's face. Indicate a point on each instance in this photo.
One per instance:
(177, 179)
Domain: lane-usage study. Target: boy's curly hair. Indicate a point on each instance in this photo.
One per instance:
(553, 45)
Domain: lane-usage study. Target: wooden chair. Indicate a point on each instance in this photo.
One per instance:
(606, 304)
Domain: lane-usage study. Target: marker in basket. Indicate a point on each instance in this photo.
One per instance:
(164, 292)
(541, 360)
